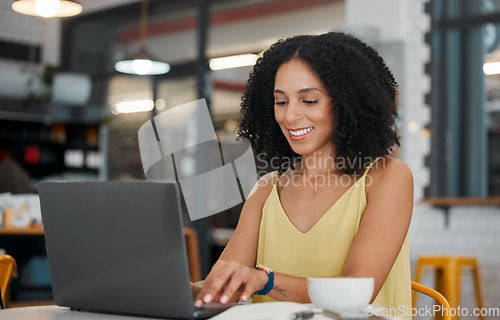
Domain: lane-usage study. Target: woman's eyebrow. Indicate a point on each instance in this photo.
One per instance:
(308, 90)
(300, 91)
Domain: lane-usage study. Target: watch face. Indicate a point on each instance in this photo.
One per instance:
(264, 268)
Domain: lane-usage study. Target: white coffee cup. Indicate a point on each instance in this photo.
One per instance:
(340, 293)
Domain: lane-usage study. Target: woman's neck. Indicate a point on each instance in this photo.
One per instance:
(317, 164)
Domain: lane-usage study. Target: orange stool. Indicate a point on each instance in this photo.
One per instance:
(448, 278)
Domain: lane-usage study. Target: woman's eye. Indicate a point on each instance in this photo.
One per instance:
(310, 101)
(279, 102)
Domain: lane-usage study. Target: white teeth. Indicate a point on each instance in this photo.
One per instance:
(301, 132)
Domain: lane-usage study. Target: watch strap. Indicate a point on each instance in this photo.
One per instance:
(270, 280)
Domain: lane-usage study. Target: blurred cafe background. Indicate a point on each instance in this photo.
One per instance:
(65, 110)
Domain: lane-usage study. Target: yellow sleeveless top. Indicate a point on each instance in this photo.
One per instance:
(321, 251)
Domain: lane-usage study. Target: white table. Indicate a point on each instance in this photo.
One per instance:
(276, 311)
(258, 311)
(58, 313)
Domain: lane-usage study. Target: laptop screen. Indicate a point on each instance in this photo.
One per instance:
(117, 247)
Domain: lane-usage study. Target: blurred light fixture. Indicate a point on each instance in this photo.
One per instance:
(142, 63)
(490, 68)
(160, 104)
(47, 8)
(241, 60)
(413, 126)
(134, 106)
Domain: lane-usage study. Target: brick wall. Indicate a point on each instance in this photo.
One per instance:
(471, 231)
(18, 27)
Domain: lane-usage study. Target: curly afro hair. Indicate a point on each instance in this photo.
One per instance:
(362, 89)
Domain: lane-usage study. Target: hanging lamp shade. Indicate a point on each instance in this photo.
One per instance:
(47, 8)
(142, 62)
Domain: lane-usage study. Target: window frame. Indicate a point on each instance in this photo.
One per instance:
(459, 142)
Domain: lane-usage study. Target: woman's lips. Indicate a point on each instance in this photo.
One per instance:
(299, 134)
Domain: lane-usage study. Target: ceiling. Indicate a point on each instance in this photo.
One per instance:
(125, 9)
(89, 40)
(90, 6)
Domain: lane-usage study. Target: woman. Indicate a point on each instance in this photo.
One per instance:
(344, 208)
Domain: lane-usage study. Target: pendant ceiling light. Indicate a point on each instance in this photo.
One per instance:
(142, 63)
(47, 8)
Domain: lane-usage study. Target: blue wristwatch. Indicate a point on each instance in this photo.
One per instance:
(270, 280)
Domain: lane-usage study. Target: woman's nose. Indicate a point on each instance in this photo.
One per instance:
(293, 112)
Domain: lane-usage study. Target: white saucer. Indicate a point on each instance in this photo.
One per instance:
(369, 310)
(373, 309)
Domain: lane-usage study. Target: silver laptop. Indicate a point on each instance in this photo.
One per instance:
(118, 247)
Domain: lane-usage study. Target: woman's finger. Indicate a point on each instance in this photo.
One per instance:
(206, 284)
(195, 288)
(238, 279)
(249, 288)
(215, 282)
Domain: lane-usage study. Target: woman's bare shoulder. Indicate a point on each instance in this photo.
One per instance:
(252, 209)
(389, 173)
(263, 187)
(389, 167)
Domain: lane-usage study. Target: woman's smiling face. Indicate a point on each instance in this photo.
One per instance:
(302, 108)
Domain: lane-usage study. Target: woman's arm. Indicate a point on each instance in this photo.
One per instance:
(383, 228)
(385, 222)
(234, 271)
(382, 231)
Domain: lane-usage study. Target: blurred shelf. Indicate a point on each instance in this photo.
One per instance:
(451, 202)
(447, 203)
(35, 231)
(21, 304)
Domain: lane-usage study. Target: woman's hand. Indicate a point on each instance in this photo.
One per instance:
(227, 278)
(234, 270)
